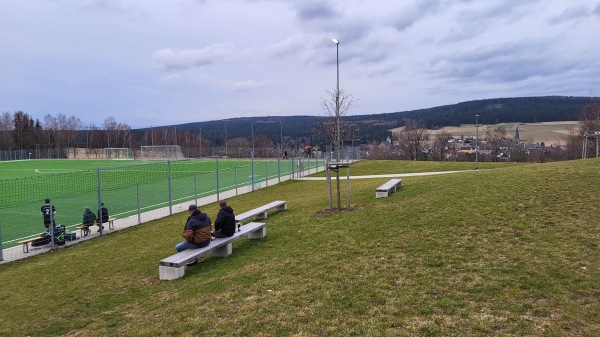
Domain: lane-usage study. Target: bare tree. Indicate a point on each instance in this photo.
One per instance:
(410, 140)
(23, 130)
(330, 125)
(440, 145)
(496, 140)
(6, 126)
(110, 126)
(589, 120)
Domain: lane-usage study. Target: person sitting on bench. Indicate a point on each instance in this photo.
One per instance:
(88, 217)
(196, 231)
(225, 221)
(102, 214)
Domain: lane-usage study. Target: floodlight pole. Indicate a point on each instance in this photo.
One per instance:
(477, 142)
(337, 97)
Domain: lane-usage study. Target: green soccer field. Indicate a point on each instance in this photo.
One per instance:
(124, 186)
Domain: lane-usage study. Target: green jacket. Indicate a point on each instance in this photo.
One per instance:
(88, 218)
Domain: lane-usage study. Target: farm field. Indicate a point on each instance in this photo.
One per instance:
(551, 133)
(127, 187)
(502, 251)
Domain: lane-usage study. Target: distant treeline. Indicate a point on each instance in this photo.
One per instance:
(375, 128)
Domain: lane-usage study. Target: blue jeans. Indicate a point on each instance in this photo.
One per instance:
(180, 247)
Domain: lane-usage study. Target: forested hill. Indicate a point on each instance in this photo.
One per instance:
(375, 127)
(494, 111)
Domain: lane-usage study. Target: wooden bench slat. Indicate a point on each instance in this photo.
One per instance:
(26, 242)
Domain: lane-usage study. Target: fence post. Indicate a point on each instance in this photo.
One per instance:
(1, 258)
(169, 184)
(217, 175)
(252, 177)
(196, 189)
(279, 167)
(100, 201)
(266, 173)
(139, 207)
(51, 224)
(235, 179)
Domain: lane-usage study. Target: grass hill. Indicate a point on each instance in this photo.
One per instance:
(508, 250)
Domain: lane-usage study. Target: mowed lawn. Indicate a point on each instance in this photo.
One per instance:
(502, 251)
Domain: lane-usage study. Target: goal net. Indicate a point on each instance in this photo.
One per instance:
(118, 153)
(161, 152)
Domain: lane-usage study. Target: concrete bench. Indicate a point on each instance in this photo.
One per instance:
(260, 212)
(390, 186)
(173, 267)
(25, 243)
(85, 230)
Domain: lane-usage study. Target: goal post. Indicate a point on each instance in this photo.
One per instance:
(118, 153)
(161, 152)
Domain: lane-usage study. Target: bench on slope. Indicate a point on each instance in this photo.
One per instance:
(384, 190)
(260, 213)
(173, 267)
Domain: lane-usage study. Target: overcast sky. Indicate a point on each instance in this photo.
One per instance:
(151, 62)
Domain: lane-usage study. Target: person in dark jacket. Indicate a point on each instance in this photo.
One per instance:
(102, 216)
(225, 221)
(196, 231)
(48, 213)
(88, 217)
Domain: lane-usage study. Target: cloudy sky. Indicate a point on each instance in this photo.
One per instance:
(151, 62)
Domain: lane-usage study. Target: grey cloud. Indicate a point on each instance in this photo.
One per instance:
(571, 14)
(412, 13)
(171, 59)
(597, 9)
(314, 10)
(501, 63)
(470, 23)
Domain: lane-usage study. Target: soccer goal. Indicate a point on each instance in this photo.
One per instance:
(161, 152)
(118, 153)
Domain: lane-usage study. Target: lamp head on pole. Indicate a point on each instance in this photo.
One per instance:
(336, 41)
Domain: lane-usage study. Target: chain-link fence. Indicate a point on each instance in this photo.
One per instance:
(135, 193)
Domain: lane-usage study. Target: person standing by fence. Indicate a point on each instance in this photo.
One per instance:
(48, 212)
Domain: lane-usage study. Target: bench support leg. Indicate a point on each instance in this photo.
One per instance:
(26, 247)
(258, 234)
(170, 273)
(222, 251)
(111, 225)
(261, 216)
(381, 194)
